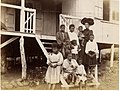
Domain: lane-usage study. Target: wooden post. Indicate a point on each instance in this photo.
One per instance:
(96, 73)
(96, 76)
(23, 60)
(34, 21)
(27, 22)
(22, 16)
(100, 55)
(0, 43)
(112, 56)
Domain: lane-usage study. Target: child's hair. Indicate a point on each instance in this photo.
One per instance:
(80, 27)
(69, 54)
(72, 25)
(55, 45)
(74, 42)
(79, 60)
(62, 25)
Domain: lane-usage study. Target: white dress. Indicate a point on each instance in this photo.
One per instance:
(53, 74)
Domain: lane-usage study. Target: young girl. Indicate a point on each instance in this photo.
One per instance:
(92, 52)
(54, 62)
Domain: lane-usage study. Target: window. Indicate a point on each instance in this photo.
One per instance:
(98, 12)
(115, 16)
(99, 9)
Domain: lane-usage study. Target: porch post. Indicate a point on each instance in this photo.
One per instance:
(22, 16)
(0, 43)
(23, 60)
(96, 73)
(100, 55)
(112, 55)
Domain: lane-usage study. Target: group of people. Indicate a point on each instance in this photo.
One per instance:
(72, 55)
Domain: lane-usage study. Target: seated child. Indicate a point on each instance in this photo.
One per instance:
(69, 68)
(75, 49)
(81, 74)
(81, 36)
(92, 52)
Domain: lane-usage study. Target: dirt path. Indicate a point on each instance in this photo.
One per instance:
(109, 81)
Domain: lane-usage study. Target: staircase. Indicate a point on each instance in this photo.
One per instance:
(45, 45)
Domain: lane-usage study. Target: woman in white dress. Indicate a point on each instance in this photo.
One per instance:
(54, 62)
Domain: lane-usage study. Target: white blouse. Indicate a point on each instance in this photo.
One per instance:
(91, 46)
(73, 36)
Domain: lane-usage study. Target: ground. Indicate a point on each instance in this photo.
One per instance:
(108, 81)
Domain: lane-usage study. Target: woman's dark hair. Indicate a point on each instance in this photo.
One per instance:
(90, 21)
(72, 25)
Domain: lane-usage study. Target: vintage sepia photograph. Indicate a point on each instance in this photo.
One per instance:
(59, 44)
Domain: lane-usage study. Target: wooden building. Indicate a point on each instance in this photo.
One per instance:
(34, 24)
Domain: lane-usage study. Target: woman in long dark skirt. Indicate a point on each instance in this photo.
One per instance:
(87, 22)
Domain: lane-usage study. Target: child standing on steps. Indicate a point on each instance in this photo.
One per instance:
(81, 73)
(54, 62)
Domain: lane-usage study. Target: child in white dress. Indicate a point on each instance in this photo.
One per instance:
(54, 62)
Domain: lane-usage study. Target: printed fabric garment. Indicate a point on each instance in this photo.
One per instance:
(53, 74)
(69, 65)
(75, 50)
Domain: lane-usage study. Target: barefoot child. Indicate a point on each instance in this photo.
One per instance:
(92, 52)
(54, 62)
(81, 73)
(69, 68)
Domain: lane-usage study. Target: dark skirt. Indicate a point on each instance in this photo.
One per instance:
(91, 60)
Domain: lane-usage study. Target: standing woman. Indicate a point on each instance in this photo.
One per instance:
(54, 62)
(87, 22)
